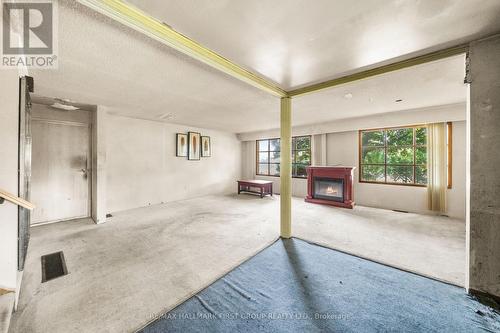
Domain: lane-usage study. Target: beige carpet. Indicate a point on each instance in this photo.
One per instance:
(140, 263)
(432, 246)
(144, 261)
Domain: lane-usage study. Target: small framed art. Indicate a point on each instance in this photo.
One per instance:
(182, 145)
(206, 148)
(194, 146)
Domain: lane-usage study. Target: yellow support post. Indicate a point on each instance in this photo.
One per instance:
(286, 168)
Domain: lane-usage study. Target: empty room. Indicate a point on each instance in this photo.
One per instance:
(249, 166)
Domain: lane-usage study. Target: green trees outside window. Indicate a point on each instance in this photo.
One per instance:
(268, 156)
(394, 155)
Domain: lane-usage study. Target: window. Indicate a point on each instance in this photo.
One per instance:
(301, 155)
(268, 156)
(394, 156)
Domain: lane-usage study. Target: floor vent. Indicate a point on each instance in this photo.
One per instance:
(53, 266)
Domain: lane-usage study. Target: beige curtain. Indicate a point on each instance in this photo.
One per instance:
(437, 169)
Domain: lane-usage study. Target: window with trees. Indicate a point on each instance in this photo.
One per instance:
(394, 156)
(268, 156)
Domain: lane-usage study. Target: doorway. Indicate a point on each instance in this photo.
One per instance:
(61, 163)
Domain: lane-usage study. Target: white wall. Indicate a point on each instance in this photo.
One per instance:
(99, 122)
(9, 114)
(142, 168)
(457, 194)
(299, 185)
(342, 149)
(435, 114)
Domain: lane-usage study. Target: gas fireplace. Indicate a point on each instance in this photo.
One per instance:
(330, 186)
(329, 189)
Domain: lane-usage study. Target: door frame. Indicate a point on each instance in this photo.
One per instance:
(24, 170)
(98, 156)
(89, 168)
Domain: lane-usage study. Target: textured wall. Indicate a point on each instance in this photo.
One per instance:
(9, 114)
(451, 112)
(299, 185)
(341, 148)
(484, 272)
(142, 168)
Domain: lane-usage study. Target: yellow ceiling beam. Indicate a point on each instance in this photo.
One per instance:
(381, 70)
(140, 21)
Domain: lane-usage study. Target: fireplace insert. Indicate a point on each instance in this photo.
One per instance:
(330, 185)
(329, 189)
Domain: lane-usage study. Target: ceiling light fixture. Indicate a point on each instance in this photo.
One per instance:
(64, 107)
(64, 100)
(348, 96)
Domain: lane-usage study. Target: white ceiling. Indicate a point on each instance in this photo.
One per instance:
(104, 63)
(437, 83)
(298, 42)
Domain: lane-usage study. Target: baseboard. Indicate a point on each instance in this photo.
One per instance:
(486, 298)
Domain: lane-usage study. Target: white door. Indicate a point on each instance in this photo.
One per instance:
(60, 178)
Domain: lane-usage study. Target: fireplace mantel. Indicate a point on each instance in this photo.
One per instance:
(324, 173)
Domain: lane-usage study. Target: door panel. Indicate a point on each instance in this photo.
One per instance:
(60, 170)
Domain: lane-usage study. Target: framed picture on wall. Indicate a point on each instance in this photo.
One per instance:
(194, 146)
(206, 149)
(182, 145)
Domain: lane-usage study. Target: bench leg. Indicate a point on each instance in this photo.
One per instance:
(261, 192)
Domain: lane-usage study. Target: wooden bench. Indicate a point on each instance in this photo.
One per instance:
(265, 186)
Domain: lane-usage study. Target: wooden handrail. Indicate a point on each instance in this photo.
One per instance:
(16, 200)
(5, 291)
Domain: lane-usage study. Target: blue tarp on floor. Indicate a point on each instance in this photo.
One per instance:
(294, 286)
